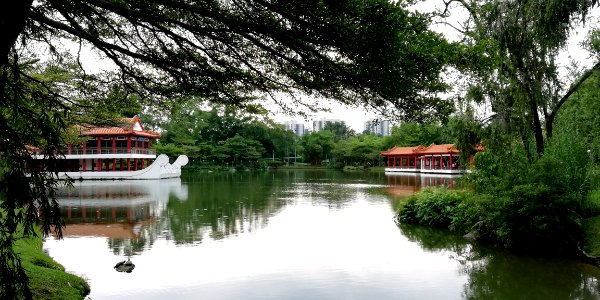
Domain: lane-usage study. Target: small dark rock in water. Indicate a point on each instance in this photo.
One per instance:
(125, 266)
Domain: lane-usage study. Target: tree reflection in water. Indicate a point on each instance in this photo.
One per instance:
(499, 275)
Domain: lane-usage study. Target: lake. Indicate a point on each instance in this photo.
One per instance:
(287, 235)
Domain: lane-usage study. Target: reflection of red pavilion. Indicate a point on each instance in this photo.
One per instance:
(405, 184)
(439, 159)
(118, 211)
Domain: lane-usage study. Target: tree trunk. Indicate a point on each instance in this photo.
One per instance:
(12, 22)
(537, 129)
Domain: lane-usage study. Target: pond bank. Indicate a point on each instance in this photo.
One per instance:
(47, 278)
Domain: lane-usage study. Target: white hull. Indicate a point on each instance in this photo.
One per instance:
(159, 169)
(424, 171)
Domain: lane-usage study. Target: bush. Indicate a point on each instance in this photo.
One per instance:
(528, 218)
(274, 164)
(433, 207)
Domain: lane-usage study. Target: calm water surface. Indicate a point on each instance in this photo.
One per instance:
(287, 235)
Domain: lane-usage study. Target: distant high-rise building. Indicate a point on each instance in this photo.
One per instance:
(378, 126)
(296, 127)
(320, 124)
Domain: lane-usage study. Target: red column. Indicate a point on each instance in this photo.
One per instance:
(70, 146)
(128, 145)
(114, 145)
(450, 165)
(431, 162)
(84, 166)
(401, 161)
(135, 163)
(99, 150)
(128, 164)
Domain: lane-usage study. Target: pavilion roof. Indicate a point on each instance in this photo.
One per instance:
(121, 127)
(403, 150)
(421, 150)
(440, 149)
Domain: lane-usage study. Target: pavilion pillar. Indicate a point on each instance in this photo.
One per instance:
(450, 163)
(431, 162)
(135, 163)
(401, 161)
(69, 148)
(129, 164)
(114, 145)
(128, 145)
(440, 162)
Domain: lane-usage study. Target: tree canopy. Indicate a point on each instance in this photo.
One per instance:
(372, 53)
(514, 47)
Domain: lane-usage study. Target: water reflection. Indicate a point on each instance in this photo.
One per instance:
(287, 235)
(127, 213)
(498, 275)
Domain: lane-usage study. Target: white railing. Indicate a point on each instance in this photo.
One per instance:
(108, 150)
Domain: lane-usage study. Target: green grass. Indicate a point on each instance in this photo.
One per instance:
(591, 228)
(47, 278)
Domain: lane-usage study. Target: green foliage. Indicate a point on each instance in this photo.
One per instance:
(48, 279)
(591, 227)
(363, 150)
(515, 204)
(238, 149)
(414, 134)
(316, 146)
(432, 207)
(516, 67)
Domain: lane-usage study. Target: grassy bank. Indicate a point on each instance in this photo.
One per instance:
(47, 278)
